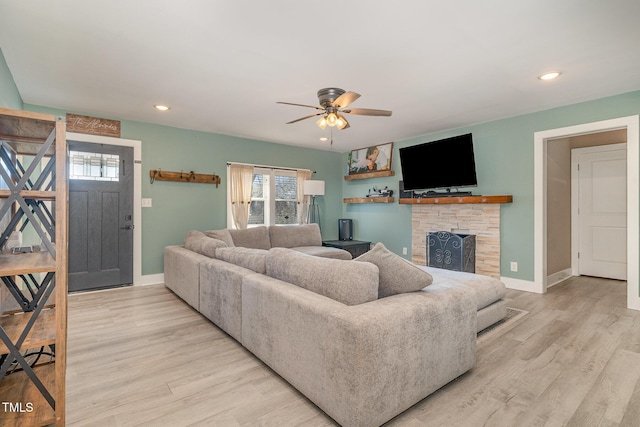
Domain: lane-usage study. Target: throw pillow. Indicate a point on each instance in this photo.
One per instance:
(253, 259)
(197, 241)
(221, 235)
(344, 281)
(397, 275)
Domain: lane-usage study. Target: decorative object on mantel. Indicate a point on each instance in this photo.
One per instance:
(371, 159)
(93, 125)
(376, 192)
(160, 175)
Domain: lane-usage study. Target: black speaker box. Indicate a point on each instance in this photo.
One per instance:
(345, 229)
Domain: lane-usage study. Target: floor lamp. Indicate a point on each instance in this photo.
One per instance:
(313, 188)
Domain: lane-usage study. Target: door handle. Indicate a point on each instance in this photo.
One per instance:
(128, 227)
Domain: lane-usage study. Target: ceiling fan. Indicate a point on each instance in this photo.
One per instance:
(333, 104)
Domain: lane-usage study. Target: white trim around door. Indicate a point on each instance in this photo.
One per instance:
(632, 126)
(137, 192)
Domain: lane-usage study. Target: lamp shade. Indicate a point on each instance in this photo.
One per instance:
(314, 188)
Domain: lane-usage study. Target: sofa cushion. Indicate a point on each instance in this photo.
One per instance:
(256, 237)
(197, 241)
(221, 235)
(291, 236)
(324, 251)
(253, 259)
(344, 281)
(397, 275)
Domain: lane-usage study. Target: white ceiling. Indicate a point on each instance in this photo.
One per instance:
(222, 65)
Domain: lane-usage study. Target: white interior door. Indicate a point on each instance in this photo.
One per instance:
(602, 210)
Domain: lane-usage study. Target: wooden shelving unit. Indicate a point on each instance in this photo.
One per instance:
(367, 175)
(36, 262)
(456, 200)
(37, 197)
(368, 200)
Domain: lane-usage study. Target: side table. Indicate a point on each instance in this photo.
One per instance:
(354, 247)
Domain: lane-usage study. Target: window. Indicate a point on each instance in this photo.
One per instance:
(273, 197)
(93, 166)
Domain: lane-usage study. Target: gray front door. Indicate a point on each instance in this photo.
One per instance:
(100, 216)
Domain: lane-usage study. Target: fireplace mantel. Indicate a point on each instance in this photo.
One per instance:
(466, 200)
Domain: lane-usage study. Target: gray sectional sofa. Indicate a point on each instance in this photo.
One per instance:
(363, 339)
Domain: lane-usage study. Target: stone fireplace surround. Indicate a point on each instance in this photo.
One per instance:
(483, 220)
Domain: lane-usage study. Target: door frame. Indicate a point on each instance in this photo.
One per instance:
(541, 139)
(137, 191)
(575, 199)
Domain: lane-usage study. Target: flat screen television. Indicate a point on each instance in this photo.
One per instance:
(445, 164)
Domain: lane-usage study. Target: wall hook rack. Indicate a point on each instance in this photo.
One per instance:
(160, 175)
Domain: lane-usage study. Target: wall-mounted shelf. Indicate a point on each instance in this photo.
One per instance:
(368, 200)
(160, 175)
(366, 175)
(466, 200)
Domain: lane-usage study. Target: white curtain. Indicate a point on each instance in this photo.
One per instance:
(240, 181)
(303, 201)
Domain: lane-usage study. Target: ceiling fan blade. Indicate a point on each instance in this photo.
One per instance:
(367, 112)
(345, 99)
(305, 117)
(300, 105)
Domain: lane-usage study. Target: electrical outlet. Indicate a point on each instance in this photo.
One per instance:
(514, 266)
(146, 203)
(404, 251)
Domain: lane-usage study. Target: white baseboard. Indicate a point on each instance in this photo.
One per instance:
(151, 279)
(633, 302)
(521, 285)
(558, 277)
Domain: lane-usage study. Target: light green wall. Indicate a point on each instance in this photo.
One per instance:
(180, 207)
(504, 163)
(9, 95)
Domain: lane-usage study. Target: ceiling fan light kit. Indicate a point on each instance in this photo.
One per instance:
(333, 104)
(322, 122)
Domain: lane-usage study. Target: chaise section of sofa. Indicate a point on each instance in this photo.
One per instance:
(361, 364)
(488, 292)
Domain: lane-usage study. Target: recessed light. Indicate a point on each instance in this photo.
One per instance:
(161, 107)
(324, 138)
(549, 76)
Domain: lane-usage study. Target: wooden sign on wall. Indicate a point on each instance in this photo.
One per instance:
(93, 125)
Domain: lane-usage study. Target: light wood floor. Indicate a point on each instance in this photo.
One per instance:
(140, 356)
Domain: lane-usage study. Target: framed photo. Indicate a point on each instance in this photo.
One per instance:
(371, 159)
